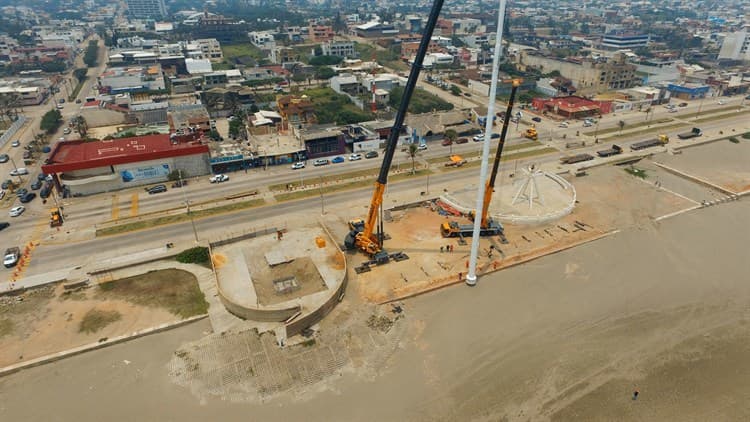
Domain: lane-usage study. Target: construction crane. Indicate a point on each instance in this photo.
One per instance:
(488, 226)
(362, 235)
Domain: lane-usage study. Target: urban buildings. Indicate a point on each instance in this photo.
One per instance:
(147, 8)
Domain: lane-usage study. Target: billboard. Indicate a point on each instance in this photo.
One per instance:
(146, 172)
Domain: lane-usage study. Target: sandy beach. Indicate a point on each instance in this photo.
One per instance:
(662, 308)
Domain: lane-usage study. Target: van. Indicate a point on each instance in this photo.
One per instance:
(371, 154)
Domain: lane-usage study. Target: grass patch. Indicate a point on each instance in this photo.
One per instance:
(77, 89)
(634, 171)
(507, 148)
(96, 319)
(746, 135)
(714, 117)
(244, 53)
(330, 178)
(734, 140)
(174, 290)
(630, 126)
(6, 327)
(222, 66)
(178, 218)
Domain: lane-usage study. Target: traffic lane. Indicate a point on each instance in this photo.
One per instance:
(284, 214)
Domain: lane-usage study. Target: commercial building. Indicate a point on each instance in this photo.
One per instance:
(687, 91)
(132, 79)
(147, 8)
(571, 107)
(622, 40)
(84, 168)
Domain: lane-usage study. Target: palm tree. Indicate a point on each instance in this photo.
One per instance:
(451, 135)
(412, 153)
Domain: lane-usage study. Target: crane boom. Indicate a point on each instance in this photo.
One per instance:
(490, 186)
(365, 240)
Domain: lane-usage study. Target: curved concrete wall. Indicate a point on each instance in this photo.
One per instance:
(295, 327)
(247, 311)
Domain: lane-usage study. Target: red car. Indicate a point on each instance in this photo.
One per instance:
(462, 140)
(446, 142)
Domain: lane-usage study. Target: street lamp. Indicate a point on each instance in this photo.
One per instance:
(320, 189)
(187, 204)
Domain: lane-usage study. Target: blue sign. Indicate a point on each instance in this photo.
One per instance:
(142, 173)
(217, 160)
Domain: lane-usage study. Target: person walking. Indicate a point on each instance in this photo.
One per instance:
(635, 395)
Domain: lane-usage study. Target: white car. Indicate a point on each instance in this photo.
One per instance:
(218, 178)
(66, 131)
(422, 147)
(355, 157)
(478, 138)
(298, 165)
(2, 194)
(563, 124)
(19, 171)
(15, 143)
(16, 211)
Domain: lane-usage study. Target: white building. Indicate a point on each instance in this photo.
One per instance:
(147, 8)
(338, 48)
(206, 48)
(262, 39)
(436, 59)
(736, 46)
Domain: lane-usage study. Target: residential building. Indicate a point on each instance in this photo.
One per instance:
(320, 33)
(736, 46)
(263, 40)
(296, 110)
(588, 76)
(147, 8)
(338, 48)
(131, 79)
(204, 48)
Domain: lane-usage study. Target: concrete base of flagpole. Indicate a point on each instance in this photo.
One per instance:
(471, 280)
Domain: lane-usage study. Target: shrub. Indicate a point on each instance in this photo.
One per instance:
(746, 135)
(734, 140)
(196, 255)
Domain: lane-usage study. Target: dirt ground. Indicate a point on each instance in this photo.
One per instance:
(47, 320)
(723, 163)
(604, 205)
(304, 272)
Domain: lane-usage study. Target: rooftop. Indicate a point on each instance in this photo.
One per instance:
(79, 154)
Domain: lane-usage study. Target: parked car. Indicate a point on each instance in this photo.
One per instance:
(478, 138)
(11, 257)
(4, 158)
(16, 211)
(61, 101)
(371, 154)
(15, 143)
(6, 184)
(179, 183)
(298, 165)
(46, 190)
(21, 192)
(219, 178)
(28, 197)
(683, 104)
(422, 147)
(2, 194)
(446, 142)
(26, 155)
(721, 102)
(4, 225)
(355, 157)
(462, 140)
(338, 159)
(36, 185)
(78, 101)
(321, 162)
(563, 124)
(536, 119)
(157, 189)
(66, 131)
(19, 171)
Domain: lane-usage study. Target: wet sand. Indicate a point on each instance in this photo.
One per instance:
(663, 308)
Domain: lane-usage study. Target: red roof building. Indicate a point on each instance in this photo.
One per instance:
(100, 166)
(571, 107)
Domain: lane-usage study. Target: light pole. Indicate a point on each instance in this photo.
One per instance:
(320, 189)
(187, 204)
(700, 106)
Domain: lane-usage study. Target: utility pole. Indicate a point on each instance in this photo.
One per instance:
(320, 189)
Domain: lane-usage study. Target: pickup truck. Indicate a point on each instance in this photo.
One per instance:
(576, 158)
(692, 134)
(11, 257)
(610, 152)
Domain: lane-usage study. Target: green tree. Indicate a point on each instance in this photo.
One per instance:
(451, 134)
(92, 51)
(324, 73)
(455, 90)
(326, 60)
(51, 121)
(412, 151)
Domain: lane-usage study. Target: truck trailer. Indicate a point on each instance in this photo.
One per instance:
(695, 132)
(661, 140)
(576, 158)
(610, 152)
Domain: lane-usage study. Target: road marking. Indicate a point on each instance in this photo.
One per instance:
(134, 205)
(115, 207)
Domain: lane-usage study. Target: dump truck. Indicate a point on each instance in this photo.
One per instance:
(695, 132)
(576, 158)
(455, 161)
(659, 141)
(531, 134)
(610, 152)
